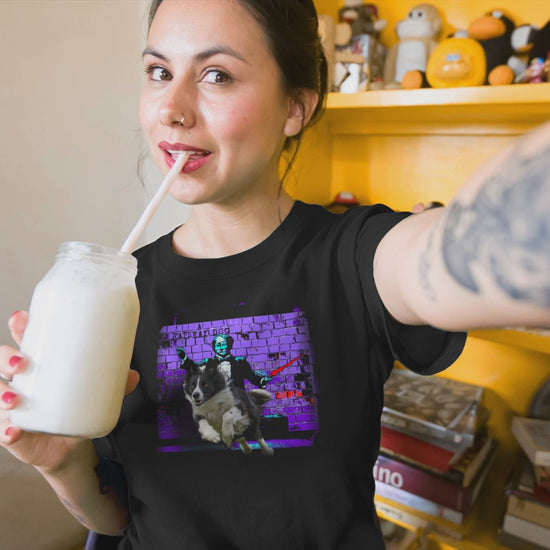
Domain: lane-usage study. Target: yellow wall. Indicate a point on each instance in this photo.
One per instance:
(457, 14)
(385, 148)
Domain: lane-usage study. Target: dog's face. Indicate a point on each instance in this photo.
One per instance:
(202, 383)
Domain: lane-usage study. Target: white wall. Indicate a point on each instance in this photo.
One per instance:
(70, 78)
(69, 135)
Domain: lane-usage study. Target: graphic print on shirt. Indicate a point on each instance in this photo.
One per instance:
(243, 383)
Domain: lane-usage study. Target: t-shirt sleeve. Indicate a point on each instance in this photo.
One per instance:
(422, 349)
(105, 448)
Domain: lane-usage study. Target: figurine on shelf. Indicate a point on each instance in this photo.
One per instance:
(359, 56)
(418, 38)
(362, 17)
(494, 31)
(457, 61)
(536, 72)
(342, 202)
(535, 43)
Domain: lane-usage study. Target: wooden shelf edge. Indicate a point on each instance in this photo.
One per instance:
(515, 94)
(480, 110)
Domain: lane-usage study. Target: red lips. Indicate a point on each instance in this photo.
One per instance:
(199, 157)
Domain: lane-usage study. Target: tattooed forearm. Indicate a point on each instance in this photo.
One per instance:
(505, 232)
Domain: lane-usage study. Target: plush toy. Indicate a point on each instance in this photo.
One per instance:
(457, 61)
(541, 42)
(535, 44)
(494, 32)
(363, 18)
(417, 34)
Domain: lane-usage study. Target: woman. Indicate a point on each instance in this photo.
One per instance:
(236, 82)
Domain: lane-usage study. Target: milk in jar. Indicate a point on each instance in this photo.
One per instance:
(79, 339)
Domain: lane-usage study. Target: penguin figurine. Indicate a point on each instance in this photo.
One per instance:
(494, 32)
(531, 40)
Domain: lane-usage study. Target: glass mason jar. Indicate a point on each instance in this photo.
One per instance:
(79, 339)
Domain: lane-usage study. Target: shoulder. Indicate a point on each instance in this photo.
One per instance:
(357, 225)
(149, 251)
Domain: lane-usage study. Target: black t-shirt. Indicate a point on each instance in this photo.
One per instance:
(302, 309)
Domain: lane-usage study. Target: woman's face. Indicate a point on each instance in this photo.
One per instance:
(208, 61)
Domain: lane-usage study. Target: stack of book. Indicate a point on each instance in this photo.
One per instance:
(527, 519)
(435, 450)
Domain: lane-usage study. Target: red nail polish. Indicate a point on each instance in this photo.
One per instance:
(9, 431)
(14, 360)
(8, 397)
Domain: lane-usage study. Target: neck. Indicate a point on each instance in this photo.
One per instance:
(216, 231)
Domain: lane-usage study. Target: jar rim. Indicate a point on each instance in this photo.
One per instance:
(98, 251)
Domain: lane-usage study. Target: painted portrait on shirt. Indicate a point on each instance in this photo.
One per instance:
(267, 359)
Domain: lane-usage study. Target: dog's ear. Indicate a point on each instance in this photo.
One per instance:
(211, 366)
(191, 368)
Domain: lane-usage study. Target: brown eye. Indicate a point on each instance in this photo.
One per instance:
(158, 74)
(215, 76)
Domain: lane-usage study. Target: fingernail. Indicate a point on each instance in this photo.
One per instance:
(14, 360)
(9, 431)
(14, 313)
(8, 397)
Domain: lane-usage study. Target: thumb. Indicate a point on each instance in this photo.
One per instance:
(17, 323)
(133, 381)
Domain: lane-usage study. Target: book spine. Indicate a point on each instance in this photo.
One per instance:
(527, 435)
(410, 424)
(529, 510)
(527, 530)
(542, 476)
(416, 449)
(422, 483)
(423, 505)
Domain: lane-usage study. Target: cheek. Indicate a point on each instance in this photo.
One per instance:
(230, 124)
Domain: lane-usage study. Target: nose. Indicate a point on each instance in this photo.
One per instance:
(175, 108)
(196, 395)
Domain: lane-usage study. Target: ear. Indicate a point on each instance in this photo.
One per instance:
(211, 366)
(192, 368)
(300, 109)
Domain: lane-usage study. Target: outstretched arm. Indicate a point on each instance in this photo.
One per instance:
(482, 261)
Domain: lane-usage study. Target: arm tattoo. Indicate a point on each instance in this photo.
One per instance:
(505, 231)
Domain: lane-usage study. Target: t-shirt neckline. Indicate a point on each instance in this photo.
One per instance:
(229, 266)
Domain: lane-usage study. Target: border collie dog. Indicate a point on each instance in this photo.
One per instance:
(221, 411)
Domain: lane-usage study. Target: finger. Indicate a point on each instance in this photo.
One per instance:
(133, 381)
(8, 398)
(17, 323)
(418, 207)
(9, 434)
(11, 362)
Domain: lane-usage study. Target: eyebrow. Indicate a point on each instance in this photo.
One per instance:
(200, 56)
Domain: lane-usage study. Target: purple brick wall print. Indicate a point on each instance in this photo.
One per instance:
(276, 346)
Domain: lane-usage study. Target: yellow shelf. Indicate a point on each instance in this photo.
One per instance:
(527, 339)
(481, 107)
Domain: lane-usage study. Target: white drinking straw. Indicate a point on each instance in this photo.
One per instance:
(151, 208)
